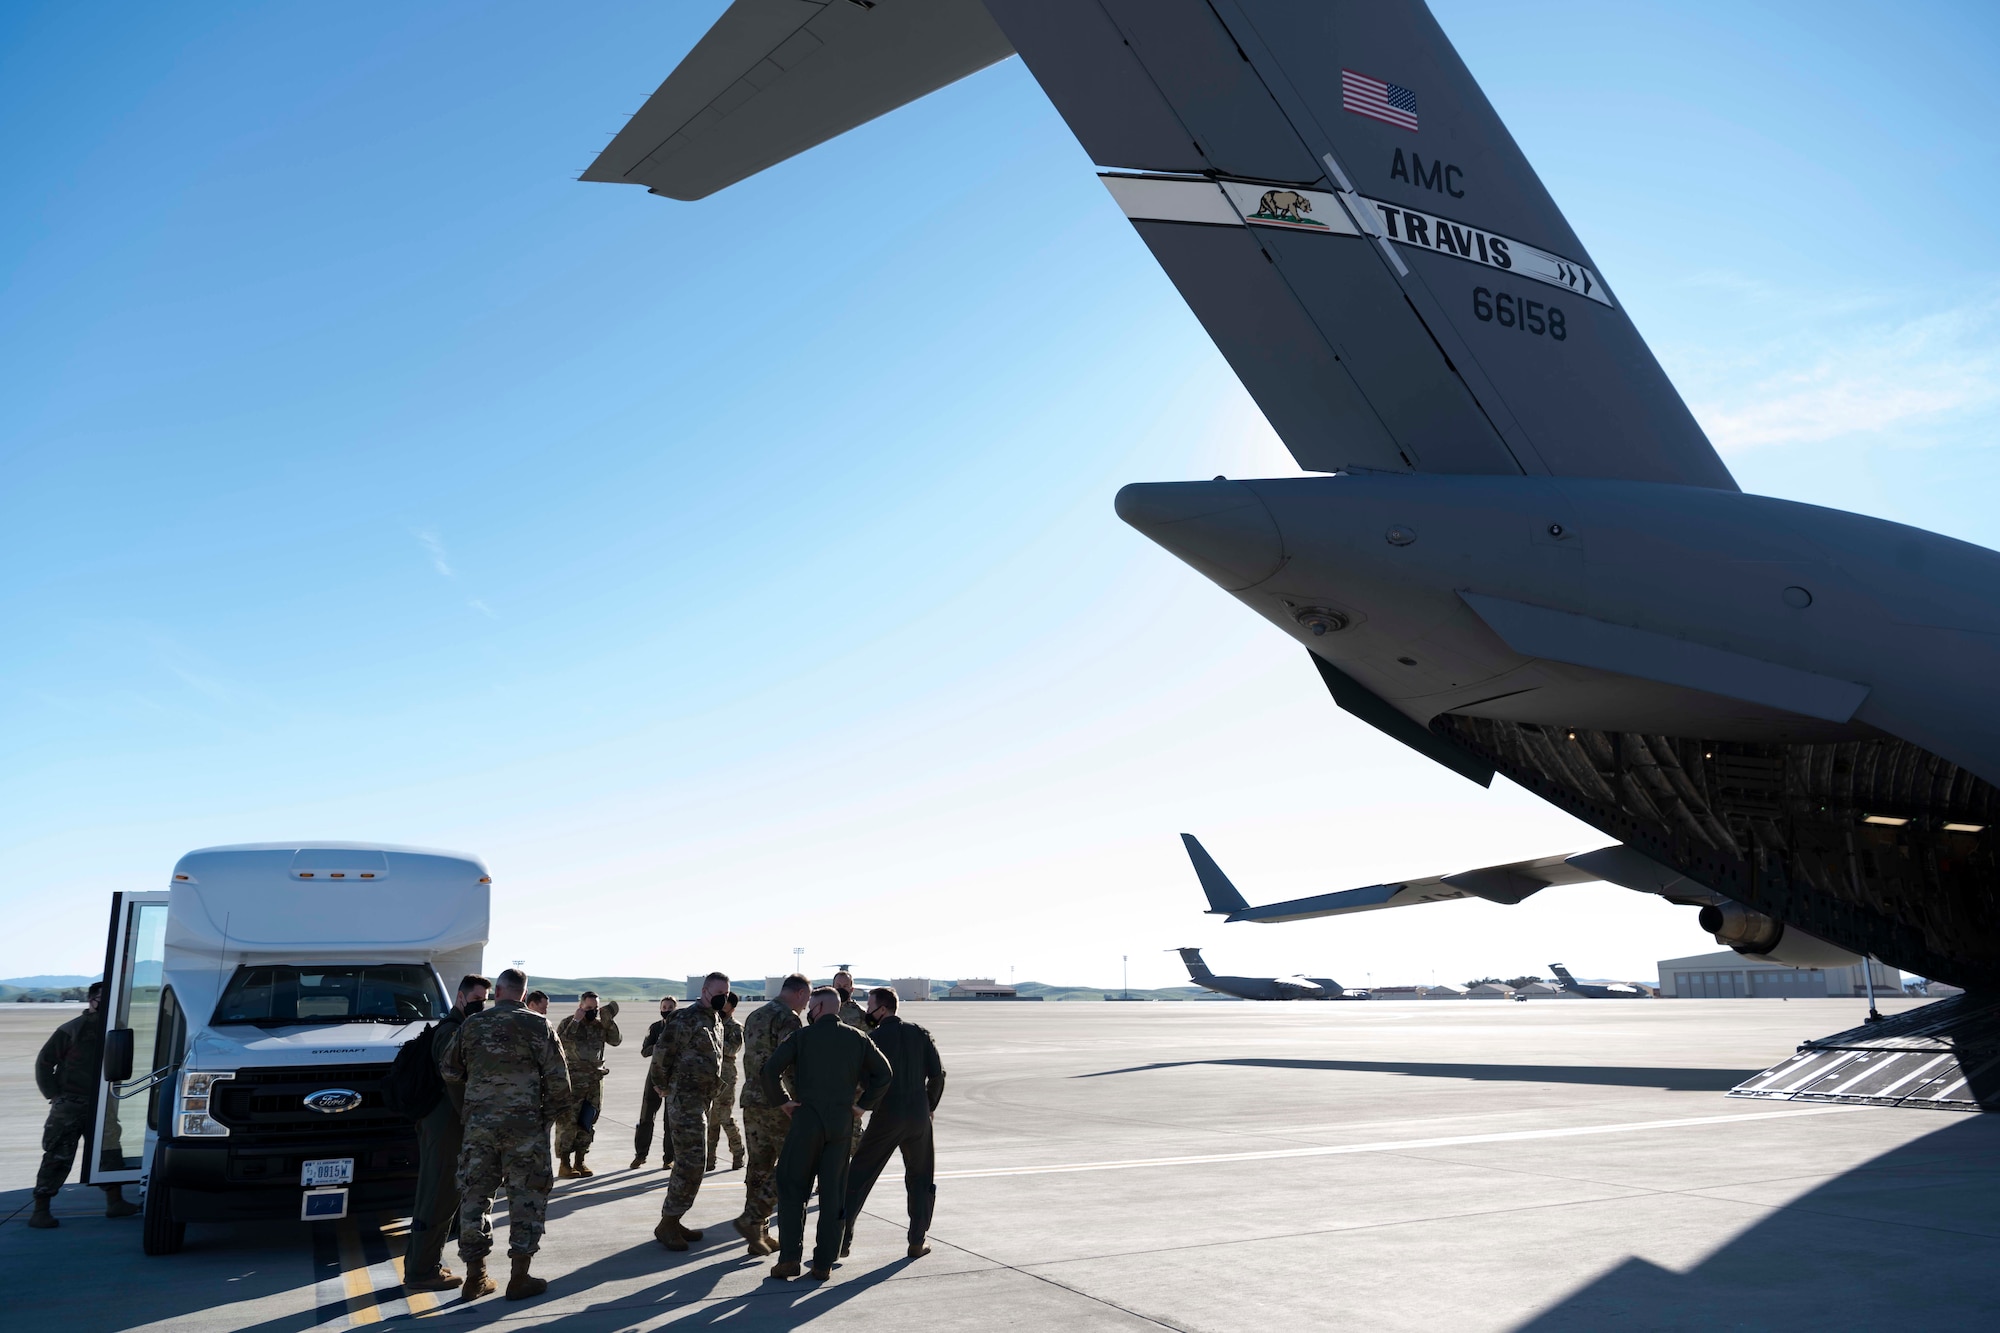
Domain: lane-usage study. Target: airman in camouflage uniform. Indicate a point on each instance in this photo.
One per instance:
(584, 1035)
(516, 1085)
(851, 1012)
(649, 1096)
(722, 1111)
(687, 1067)
(67, 1070)
(764, 1124)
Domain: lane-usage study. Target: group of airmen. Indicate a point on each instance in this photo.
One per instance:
(816, 1060)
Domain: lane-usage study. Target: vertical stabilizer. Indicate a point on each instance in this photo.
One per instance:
(1223, 898)
(1563, 978)
(1349, 219)
(1197, 970)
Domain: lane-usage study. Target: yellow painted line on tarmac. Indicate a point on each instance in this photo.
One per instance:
(361, 1307)
(398, 1237)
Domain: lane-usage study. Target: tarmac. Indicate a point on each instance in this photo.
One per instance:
(1460, 1165)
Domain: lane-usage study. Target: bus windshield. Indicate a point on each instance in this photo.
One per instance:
(283, 994)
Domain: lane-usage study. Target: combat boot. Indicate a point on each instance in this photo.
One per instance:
(581, 1169)
(42, 1219)
(785, 1268)
(736, 1161)
(567, 1172)
(637, 1163)
(115, 1204)
(476, 1282)
(671, 1233)
(523, 1284)
(918, 1249)
(438, 1279)
(711, 1163)
(754, 1234)
(819, 1273)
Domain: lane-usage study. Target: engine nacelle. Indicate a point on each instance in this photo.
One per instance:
(1770, 940)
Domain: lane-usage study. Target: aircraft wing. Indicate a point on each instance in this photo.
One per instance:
(774, 77)
(1508, 884)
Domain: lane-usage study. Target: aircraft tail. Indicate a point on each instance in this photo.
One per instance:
(1197, 970)
(1563, 979)
(1222, 895)
(1325, 183)
(1367, 245)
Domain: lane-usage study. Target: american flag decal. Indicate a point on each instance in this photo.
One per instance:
(1377, 100)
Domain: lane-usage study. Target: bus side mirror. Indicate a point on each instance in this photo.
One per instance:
(118, 1055)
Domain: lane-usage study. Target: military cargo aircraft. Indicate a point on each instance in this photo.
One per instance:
(1522, 555)
(1616, 990)
(1263, 988)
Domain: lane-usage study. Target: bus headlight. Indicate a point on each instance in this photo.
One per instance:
(194, 1120)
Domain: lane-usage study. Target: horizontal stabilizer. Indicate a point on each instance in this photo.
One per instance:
(1222, 895)
(773, 78)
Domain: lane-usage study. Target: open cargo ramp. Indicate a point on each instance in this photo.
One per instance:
(1945, 1056)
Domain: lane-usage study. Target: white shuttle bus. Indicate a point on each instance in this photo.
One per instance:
(253, 1011)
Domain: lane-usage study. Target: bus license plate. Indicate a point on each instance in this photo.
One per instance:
(327, 1171)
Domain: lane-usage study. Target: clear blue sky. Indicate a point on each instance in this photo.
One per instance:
(742, 575)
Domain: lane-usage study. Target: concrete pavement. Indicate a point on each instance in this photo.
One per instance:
(1462, 1164)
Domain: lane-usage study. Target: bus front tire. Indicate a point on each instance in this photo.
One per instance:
(162, 1235)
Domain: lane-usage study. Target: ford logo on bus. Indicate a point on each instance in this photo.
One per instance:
(332, 1101)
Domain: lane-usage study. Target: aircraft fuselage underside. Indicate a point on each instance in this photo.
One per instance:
(1746, 690)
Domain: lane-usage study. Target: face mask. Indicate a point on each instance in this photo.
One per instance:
(474, 1006)
(846, 994)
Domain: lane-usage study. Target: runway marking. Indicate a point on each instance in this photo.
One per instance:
(361, 1307)
(1386, 1145)
(361, 1275)
(420, 1302)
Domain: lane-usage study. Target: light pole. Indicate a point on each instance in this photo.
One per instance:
(799, 961)
(1126, 959)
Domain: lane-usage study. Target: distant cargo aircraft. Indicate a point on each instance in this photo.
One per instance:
(1527, 559)
(1616, 990)
(1263, 988)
